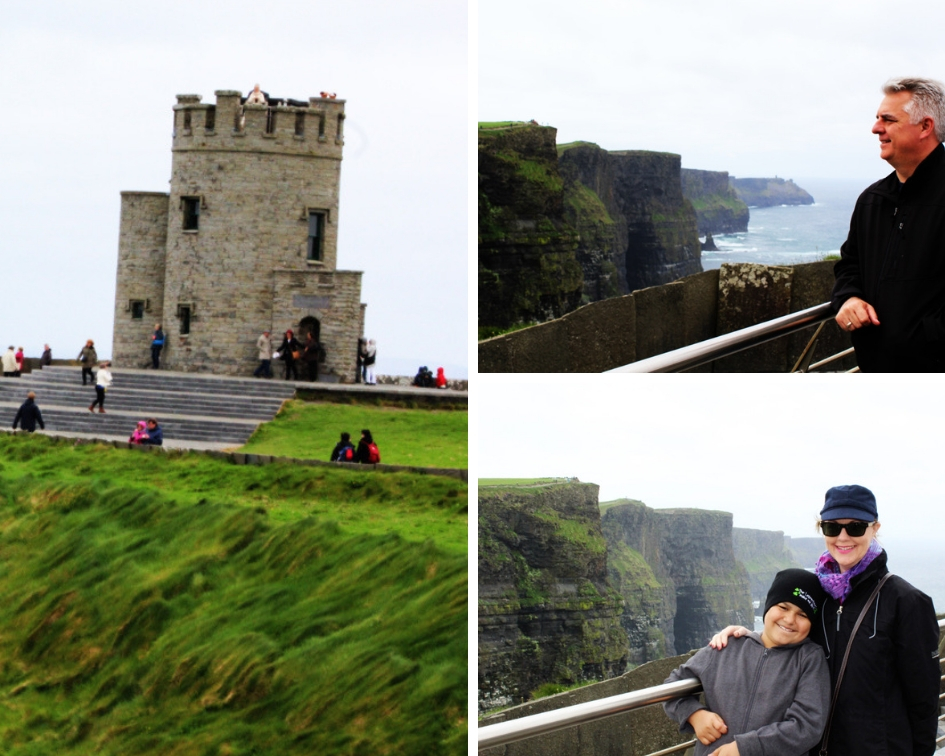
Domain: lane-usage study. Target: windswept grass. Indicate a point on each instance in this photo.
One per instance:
(161, 604)
(418, 437)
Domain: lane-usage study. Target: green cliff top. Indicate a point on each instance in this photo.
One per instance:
(569, 145)
(524, 482)
(506, 125)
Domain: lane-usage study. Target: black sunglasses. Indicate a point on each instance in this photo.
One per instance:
(854, 529)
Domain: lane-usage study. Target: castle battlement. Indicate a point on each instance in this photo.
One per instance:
(313, 127)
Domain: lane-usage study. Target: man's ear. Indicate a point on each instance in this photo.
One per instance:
(928, 127)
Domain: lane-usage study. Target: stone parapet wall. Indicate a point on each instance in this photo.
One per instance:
(615, 332)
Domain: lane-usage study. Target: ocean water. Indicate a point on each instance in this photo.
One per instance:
(788, 235)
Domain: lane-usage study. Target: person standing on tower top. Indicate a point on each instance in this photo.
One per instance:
(890, 281)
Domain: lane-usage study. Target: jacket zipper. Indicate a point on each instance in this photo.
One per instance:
(754, 688)
(839, 612)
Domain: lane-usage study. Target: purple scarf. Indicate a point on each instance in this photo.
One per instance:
(837, 583)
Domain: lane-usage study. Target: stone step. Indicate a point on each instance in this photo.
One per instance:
(122, 424)
(149, 402)
(190, 407)
(167, 381)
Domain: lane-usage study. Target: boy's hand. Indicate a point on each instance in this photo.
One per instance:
(708, 725)
(720, 639)
(729, 749)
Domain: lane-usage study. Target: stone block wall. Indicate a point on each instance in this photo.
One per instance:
(334, 299)
(615, 332)
(140, 276)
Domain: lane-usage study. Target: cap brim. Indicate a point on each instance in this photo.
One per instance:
(843, 513)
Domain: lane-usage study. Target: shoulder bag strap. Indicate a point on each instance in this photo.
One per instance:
(843, 664)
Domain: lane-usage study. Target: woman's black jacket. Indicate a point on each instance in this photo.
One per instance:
(888, 701)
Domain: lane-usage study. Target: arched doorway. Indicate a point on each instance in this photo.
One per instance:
(309, 325)
(310, 357)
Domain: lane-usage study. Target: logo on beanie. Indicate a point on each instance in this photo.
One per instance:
(805, 596)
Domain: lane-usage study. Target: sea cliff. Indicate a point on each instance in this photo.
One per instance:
(571, 591)
(528, 271)
(770, 192)
(563, 225)
(718, 208)
(547, 612)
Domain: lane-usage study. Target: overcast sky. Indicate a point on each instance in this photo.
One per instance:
(89, 91)
(752, 88)
(765, 448)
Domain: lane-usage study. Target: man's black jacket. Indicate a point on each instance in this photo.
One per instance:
(894, 259)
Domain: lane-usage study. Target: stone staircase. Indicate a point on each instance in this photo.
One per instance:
(195, 410)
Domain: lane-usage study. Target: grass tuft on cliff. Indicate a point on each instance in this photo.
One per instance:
(177, 604)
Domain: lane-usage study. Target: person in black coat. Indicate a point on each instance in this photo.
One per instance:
(341, 451)
(28, 415)
(289, 353)
(367, 450)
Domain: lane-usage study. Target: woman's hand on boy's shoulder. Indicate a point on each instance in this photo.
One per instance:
(708, 726)
(729, 749)
(720, 639)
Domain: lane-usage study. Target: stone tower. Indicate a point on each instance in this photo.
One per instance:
(245, 241)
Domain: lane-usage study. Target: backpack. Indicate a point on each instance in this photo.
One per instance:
(374, 454)
(346, 454)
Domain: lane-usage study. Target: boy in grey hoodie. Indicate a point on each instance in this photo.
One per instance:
(772, 695)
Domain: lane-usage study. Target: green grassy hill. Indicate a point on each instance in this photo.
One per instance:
(177, 604)
(418, 437)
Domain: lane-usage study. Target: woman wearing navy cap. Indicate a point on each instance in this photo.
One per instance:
(887, 703)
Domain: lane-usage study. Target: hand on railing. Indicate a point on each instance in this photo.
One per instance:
(856, 313)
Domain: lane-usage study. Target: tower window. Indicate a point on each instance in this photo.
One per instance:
(137, 309)
(191, 207)
(183, 313)
(316, 235)
(299, 123)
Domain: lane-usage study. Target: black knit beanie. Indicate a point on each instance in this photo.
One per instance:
(798, 587)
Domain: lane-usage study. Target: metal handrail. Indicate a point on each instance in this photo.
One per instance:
(591, 711)
(728, 344)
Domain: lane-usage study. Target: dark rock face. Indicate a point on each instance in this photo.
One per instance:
(527, 265)
(546, 610)
(770, 192)
(764, 553)
(718, 208)
(637, 570)
(654, 226)
(570, 590)
(712, 588)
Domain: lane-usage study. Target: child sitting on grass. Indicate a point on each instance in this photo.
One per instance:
(771, 695)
